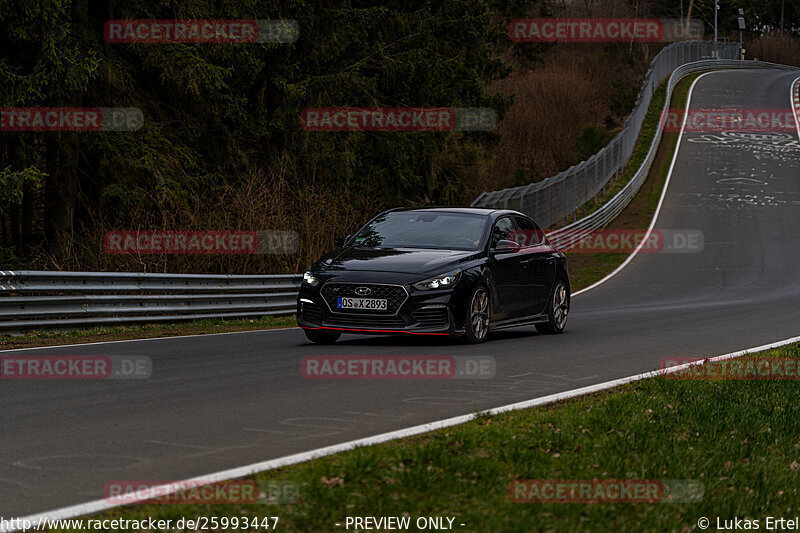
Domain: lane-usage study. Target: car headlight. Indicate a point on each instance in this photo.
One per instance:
(310, 279)
(444, 281)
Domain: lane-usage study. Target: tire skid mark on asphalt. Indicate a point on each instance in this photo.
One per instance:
(293, 459)
(9, 481)
(306, 430)
(437, 400)
(313, 422)
(86, 462)
(222, 449)
(177, 444)
(484, 395)
(564, 379)
(501, 390)
(262, 430)
(183, 450)
(382, 415)
(291, 436)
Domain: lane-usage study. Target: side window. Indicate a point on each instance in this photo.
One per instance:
(529, 233)
(502, 230)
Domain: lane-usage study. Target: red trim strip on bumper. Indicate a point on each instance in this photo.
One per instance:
(377, 330)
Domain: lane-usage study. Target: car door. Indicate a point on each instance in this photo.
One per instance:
(509, 276)
(540, 264)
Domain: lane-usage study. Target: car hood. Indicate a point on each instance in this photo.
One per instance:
(403, 260)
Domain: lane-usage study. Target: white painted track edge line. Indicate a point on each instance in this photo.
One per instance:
(592, 286)
(660, 200)
(234, 473)
(794, 89)
(2, 351)
(103, 505)
(627, 260)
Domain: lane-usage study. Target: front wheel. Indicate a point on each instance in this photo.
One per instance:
(322, 336)
(477, 326)
(557, 311)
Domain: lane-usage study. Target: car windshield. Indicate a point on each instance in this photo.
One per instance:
(423, 229)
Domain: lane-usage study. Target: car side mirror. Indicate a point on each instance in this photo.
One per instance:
(341, 241)
(504, 246)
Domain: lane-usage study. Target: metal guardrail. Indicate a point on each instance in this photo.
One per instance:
(563, 195)
(569, 235)
(33, 299)
(49, 300)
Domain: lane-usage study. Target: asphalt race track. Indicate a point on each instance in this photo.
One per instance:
(223, 401)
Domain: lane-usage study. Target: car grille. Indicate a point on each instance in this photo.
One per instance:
(394, 294)
(431, 317)
(312, 313)
(373, 321)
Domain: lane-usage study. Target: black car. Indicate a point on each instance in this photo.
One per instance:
(437, 271)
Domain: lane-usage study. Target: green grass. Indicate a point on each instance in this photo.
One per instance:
(602, 264)
(645, 139)
(638, 155)
(584, 277)
(196, 327)
(739, 439)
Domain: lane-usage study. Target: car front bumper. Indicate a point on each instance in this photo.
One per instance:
(420, 313)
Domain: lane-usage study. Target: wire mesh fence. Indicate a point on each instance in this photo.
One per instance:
(561, 197)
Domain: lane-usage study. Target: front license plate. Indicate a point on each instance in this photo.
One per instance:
(361, 303)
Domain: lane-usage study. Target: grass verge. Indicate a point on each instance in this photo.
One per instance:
(144, 331)
(587, 268)
(739, 439)
(584, 268)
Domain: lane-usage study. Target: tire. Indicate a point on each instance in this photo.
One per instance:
(322, 336)
(479, 310)
(557, 310)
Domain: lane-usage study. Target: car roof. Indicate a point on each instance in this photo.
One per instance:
(472, 210)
